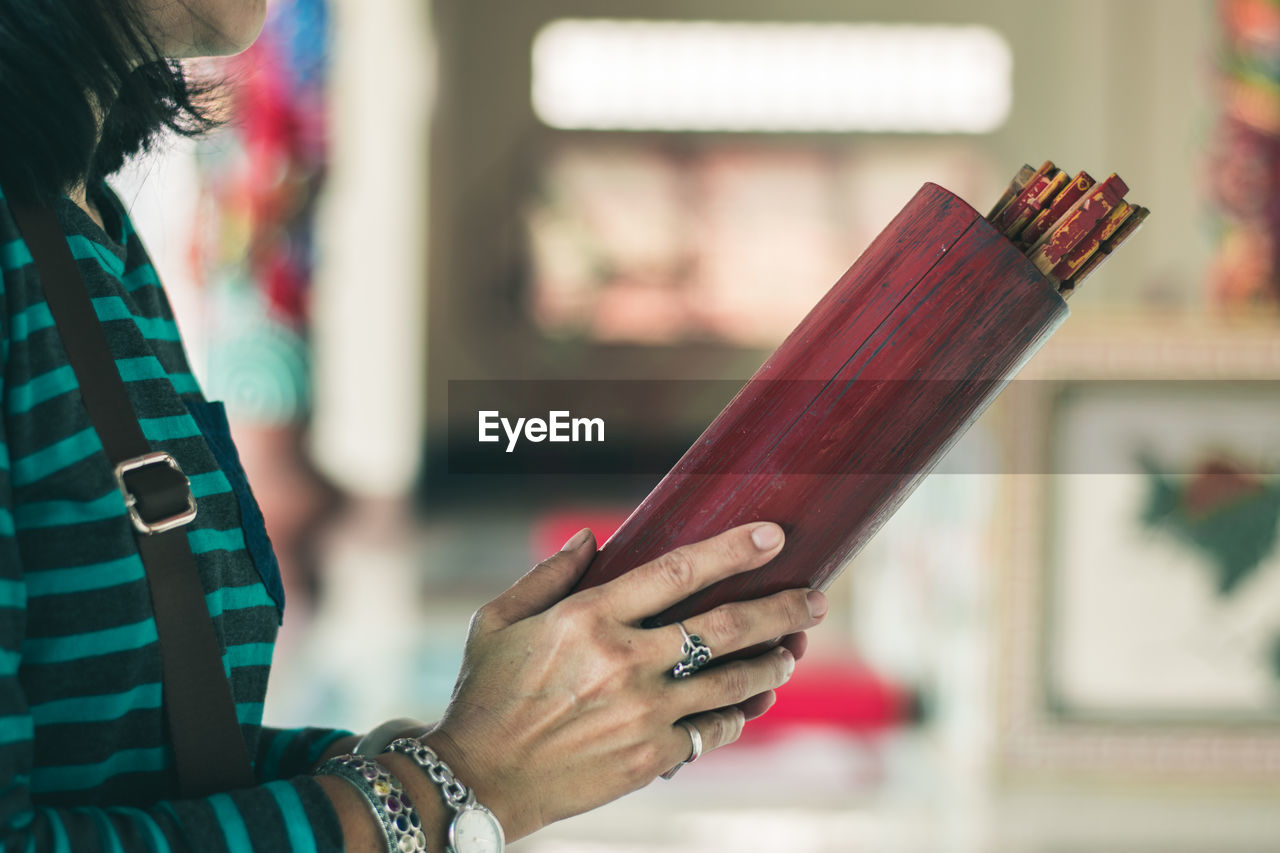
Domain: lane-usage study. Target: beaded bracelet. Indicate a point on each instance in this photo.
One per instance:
(401, 826)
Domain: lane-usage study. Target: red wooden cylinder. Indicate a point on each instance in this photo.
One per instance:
(855, 407)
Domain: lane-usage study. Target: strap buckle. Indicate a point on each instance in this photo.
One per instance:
(131, 500)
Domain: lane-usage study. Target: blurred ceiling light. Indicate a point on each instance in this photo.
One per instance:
(604, 74)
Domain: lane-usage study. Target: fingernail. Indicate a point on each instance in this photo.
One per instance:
(577, 540)
(766, 536)
(818, 604)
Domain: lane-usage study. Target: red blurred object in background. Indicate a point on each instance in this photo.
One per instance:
(846, 695)
(555, 528)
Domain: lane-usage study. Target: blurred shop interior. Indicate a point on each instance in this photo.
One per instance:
(1035, 653)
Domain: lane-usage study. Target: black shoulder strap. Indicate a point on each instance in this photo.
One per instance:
(208, 747)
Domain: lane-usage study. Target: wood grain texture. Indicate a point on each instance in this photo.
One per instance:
(859, 403)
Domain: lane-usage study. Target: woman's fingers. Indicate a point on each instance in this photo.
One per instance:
(731, 627)
(733, 683)
(715, 729)
(676, 575)
(565, 703)
(798, 643)
(758, 705)
(545, 584)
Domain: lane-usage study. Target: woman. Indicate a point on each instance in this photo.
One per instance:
(563, 703)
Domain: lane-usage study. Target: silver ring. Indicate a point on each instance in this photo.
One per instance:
(696, 654)
(695, 748)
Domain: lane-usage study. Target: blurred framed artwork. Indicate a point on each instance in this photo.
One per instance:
(1140, 591)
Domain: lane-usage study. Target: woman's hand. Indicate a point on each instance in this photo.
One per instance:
(564, 704)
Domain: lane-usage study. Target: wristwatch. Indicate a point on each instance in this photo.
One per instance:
(474, 829)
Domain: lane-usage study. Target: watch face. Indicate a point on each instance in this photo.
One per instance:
(476, 830)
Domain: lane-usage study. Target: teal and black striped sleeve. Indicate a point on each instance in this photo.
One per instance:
(285, 753)
(84, 760)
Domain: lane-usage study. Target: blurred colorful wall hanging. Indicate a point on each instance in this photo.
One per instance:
(255, 236)
(1244, 172)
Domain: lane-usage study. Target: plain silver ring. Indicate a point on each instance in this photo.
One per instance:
(695, 748)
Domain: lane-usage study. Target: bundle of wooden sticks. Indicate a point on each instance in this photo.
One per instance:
(1066, 226)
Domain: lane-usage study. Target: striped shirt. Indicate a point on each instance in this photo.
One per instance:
(84, 765)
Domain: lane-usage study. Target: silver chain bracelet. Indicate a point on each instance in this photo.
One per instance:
(474, 828)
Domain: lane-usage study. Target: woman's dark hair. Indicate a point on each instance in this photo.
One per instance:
(60, 60)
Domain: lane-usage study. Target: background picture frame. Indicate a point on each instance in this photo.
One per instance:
(1131, 642)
